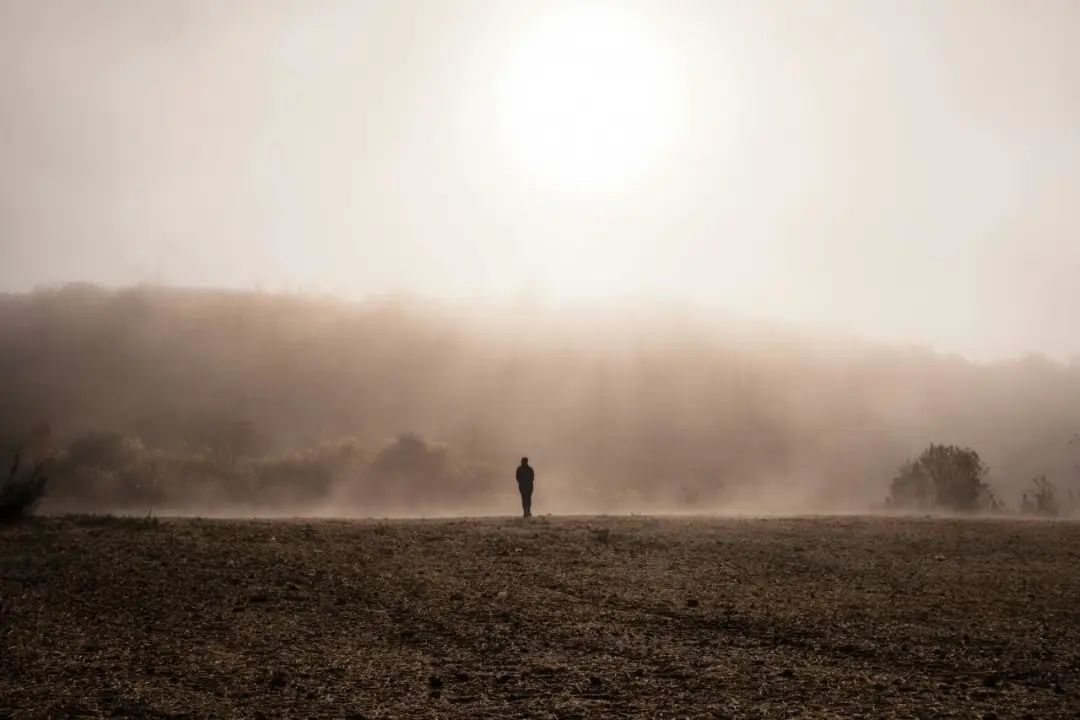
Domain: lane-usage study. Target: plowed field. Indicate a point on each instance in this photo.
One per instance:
(549, 618)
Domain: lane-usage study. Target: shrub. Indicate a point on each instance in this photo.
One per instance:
(123, 522)
(410, 471)
(19, 496)
(1041, 499)
(107, 468)
(309, 474)
(943, 477)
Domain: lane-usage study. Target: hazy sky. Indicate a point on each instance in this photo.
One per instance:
(903, 171)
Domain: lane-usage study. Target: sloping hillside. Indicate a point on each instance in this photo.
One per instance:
(657, 408)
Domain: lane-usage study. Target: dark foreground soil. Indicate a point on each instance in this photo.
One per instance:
(553, 618)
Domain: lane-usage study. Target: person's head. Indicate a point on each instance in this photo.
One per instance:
(524, 461)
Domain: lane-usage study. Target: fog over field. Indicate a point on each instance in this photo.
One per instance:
(238, 400)
(361, 257)
(779, 300)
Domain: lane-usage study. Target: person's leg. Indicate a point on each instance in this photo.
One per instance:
(528, 503)
(524, 503)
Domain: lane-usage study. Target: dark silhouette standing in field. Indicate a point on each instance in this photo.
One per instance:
(525, 486)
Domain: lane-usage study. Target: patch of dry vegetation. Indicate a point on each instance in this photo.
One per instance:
(19, 496)
(26, 483)
(567, 618)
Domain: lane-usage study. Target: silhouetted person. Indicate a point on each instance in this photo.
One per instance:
(525, 486)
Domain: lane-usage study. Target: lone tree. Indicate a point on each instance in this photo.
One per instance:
(943, 477)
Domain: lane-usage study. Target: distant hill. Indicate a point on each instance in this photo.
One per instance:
(643, 409)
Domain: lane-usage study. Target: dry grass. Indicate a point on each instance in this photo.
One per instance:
(555, 618)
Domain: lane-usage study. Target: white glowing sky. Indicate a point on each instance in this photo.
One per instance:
(904, 171)
(589, 100)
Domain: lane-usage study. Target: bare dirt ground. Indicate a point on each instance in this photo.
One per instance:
(553, 618)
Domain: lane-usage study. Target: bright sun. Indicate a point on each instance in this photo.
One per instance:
(589, 100)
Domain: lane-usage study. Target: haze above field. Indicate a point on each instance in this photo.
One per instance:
(213, 399)
(903, 172)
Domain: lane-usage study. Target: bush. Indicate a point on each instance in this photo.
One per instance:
(943, 477)
(1040, 499)
(19, 496)
(409, 471)
(122, 522)
(107, 468)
